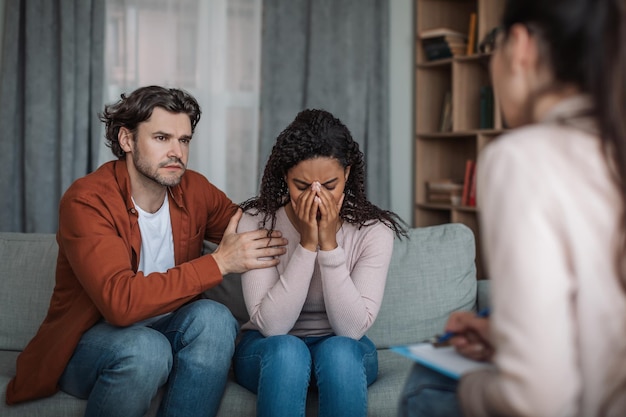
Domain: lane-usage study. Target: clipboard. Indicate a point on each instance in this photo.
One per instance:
(444, 360)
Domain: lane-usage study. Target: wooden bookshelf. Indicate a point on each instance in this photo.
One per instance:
(443, 155)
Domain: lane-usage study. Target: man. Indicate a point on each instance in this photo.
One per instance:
(126, 315)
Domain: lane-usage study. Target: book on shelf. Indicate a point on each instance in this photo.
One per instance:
(441, 43)
(445, 120)
(444, 191)
(472, 192)
(441, 31)
(486, 107)
(470, 166)
(442, 50)
(471, 34)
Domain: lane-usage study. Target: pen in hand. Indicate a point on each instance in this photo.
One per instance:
(442, 340)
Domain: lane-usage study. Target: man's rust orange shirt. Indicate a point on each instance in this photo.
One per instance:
(96, 274)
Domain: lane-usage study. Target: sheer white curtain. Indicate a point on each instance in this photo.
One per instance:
(210, 48)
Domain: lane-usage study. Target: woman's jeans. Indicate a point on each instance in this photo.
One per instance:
(278, 370)
(428, 393)
(119, 369)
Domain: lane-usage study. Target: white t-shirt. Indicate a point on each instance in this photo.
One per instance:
(157, 244)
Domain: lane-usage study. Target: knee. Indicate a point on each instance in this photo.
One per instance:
(346, 359)
(287, 350)
(421, 378)
(146, 355)
(428, 401)
(428, 393)
(212, 320)
(286, 359)
(207, 331)
(338, 350)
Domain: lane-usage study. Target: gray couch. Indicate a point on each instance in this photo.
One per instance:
(430, 275)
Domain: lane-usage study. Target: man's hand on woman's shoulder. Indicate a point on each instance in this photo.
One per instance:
(240, 252)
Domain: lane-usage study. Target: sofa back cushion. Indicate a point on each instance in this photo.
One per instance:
(229, 292)
(27, 265)
(431, 274)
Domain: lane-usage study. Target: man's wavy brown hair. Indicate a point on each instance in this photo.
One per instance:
(137, 107)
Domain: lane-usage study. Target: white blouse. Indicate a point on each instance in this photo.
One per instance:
(550, 222)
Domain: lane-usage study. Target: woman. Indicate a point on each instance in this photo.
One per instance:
(551, 195)
(309, 315)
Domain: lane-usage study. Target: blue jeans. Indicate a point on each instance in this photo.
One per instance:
(278, 370)
(119, 369)
(428, 393)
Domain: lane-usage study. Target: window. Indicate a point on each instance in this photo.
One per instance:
(210, 48)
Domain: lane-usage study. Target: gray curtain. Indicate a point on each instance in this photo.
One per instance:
(332, 55)
(51, 84)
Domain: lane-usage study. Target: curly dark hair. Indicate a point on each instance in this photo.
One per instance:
(137, 107)
(317, 133)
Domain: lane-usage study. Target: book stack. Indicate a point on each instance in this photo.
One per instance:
(444, 191)
(443, 43)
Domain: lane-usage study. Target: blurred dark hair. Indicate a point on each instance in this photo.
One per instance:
(137, 107)
(317, 133)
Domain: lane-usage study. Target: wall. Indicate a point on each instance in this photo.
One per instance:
(401, 14)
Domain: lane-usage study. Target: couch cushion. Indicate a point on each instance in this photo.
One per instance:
(384, 394)
(229, 292)
(431, 274)
(27, 265)
(58, 405)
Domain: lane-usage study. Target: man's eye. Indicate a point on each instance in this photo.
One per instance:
(184, 141)
(160, 138)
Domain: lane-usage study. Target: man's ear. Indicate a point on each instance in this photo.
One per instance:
(125, 138)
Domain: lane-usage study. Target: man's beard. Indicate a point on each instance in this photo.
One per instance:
(146, 171)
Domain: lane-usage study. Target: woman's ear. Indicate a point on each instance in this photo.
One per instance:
(521, 48)
(346, 172)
